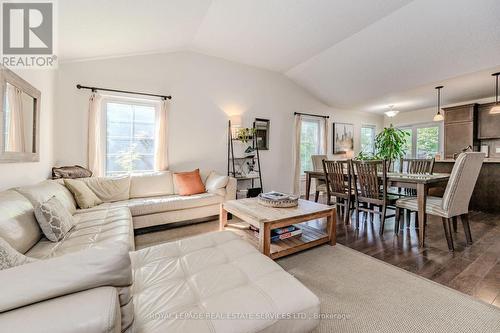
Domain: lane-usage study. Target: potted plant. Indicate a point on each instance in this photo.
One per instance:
(390, 144)
(245, 134)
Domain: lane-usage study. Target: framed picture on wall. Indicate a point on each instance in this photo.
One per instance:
(343, 138)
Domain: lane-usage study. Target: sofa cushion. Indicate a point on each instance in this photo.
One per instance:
(45, 190)
(216, 274)
(216, 183)
(189, 183)
(146, 206)
(109, 189)
(18, 225)
(9, 257)
(84, 196)
(151, 184)
(54, 220)
(92, 228)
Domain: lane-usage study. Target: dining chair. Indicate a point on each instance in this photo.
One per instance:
(339, 185)
(455, 201)
(371, 189)
(317, 162)
(414, 166)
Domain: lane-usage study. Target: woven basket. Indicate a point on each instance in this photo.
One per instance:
(278, 203)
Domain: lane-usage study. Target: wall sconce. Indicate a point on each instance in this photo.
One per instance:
(235, 120)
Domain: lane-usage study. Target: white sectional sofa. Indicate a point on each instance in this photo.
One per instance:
(93, 280)
(153, 198)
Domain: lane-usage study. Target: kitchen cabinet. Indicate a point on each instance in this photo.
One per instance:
(460, 128)
(489, 124)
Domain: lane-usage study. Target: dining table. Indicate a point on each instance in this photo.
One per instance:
(420, 182)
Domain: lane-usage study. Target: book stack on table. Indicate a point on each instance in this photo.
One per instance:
(281, 233)
(285, 232)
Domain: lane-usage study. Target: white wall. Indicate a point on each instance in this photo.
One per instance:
(205, 90)
(17, 174)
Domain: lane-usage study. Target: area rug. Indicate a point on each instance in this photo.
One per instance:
(359, 293)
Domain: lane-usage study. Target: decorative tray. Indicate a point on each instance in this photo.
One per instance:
(278, 200)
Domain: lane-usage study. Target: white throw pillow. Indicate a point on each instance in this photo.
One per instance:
(55, 220)
(216, 183)
(9, 257)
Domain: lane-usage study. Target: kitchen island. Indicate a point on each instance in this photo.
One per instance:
(486, 195)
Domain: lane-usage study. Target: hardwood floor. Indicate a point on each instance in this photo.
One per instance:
(474, 270)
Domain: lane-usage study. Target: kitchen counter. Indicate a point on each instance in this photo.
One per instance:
(486, 195)
(486, 160)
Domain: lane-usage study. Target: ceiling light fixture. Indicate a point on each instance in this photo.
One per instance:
(496, 108)
(439, 116)
(391, 113)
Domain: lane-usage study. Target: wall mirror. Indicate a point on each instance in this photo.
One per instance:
(19, 119)
(262, 133)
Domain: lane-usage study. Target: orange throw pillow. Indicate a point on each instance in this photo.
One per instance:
(189, 183)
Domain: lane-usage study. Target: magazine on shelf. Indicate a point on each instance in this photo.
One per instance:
(286, 235)
(283, 230)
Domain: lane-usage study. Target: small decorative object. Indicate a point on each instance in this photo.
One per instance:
(262, 133)
(244, 134)
(343, 138)
(278, 200)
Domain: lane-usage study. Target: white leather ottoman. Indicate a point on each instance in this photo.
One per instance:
(217, 282)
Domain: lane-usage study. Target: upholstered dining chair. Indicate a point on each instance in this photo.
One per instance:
(339, 185)
(455, 201)
(371, 189)
(317, 162)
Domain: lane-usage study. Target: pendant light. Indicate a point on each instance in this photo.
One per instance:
(439, 116)
(496, 108)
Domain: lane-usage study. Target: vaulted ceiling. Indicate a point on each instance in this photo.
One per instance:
(360, 55)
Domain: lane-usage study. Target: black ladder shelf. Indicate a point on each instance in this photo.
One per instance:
(241, 161)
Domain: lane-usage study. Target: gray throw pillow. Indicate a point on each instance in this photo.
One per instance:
(9, 257)
(54, 219)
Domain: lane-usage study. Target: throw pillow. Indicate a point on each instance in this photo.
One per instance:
(109, 189)
(54, 220)
(9, 257)
(216, 183)
(84, 196)
(189, 183)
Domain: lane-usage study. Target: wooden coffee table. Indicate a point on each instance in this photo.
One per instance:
(268, 218)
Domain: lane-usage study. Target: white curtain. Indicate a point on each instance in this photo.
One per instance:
(324, 136)
(15, 140)
(95, 140)
(161, 136)
(296, 154)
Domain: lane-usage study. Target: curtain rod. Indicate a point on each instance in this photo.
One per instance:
(312, 115)
(164, 97)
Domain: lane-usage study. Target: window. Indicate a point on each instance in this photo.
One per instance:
(368, 139)
(427, 142)
(310, 142)
(130, 136)
(424, 140)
